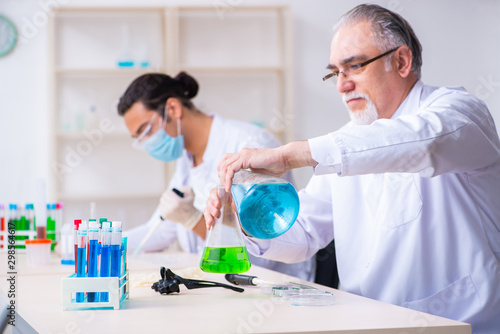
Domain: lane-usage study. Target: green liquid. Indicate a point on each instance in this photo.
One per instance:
(51, 231)
(225, 260)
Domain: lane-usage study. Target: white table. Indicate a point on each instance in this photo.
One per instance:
(211, 310)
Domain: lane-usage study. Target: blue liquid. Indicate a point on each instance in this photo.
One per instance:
(105, 269)
(116, 254)
(93, 253)
(125, 63)
(266, 210)
(80, 270)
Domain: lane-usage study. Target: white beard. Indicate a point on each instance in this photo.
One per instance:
(361, 117)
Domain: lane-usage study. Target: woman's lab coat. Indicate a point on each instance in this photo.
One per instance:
(226, 136)
(415, 206)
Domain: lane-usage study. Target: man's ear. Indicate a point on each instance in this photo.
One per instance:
(174, 108)
(404, 60)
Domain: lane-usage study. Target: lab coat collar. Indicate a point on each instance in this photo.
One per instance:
(413, 99)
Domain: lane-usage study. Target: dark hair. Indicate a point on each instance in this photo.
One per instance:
(154, 89)
(391, 30)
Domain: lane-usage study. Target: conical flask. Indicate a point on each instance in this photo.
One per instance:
(267, 206)
(225, 251)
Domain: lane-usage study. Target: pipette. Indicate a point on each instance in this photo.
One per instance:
(153, 228)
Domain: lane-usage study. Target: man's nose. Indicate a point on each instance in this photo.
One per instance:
(344, 84)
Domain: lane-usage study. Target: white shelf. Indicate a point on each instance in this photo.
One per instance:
(236, 69)
(109, 196)
(74, 135)
(86, 72)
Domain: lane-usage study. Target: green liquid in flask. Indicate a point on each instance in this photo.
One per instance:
(225, 260)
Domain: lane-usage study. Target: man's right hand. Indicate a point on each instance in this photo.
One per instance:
(270, 161)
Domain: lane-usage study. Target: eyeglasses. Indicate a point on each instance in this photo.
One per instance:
(354, 69)
(145, 133)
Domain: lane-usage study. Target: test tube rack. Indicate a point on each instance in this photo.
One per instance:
(117, 288)
(4, 240)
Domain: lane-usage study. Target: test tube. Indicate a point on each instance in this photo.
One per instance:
(51, 224)
(13, 221)
(77, 223)
(124, 260)
(82, 257)
(21, 226)
(116, 252)
(105, 256)
(93, 256)
(30, 219)
(41, 212)
(2, 224)
(59, 220)
(88, 248)
(67, 245)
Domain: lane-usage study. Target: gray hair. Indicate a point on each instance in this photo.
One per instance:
(391, 30)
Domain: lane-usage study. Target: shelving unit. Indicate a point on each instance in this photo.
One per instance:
(241, 59)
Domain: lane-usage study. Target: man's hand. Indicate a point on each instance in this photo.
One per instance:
(180, 209)
(212, 209)
(270, 161)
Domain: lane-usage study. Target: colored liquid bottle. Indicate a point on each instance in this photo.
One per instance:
(225, 250)
(81, 265)
(93, 257)
(2, 225)
(267, 206)
(116, 249)
(105, 256)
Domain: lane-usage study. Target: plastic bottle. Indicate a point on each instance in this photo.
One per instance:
(267, 206)
(225, 251)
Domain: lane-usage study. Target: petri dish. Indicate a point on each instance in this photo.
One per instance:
(316, 299)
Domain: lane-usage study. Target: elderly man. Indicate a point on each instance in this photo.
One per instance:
(409, 188)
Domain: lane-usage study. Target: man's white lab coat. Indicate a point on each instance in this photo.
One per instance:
(415, 206)
(226, 136)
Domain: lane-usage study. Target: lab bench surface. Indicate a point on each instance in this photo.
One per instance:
(213, 310)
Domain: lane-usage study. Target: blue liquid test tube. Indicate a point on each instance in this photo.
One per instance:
(82, 257)
(93, 257)
(116, 245)
(105, 256)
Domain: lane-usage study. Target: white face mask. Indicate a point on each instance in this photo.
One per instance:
(361, 117)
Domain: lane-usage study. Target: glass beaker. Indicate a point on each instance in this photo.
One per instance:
(225, 251)
(267, 206)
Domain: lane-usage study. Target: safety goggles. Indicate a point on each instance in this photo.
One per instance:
(154, 124)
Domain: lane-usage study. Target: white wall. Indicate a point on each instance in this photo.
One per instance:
(461, 42)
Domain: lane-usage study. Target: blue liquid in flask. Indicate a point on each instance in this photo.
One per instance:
(266, 210)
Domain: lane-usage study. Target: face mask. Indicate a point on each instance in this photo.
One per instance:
(163, 147)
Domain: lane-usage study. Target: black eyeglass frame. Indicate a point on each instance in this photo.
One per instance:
(335, 74)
